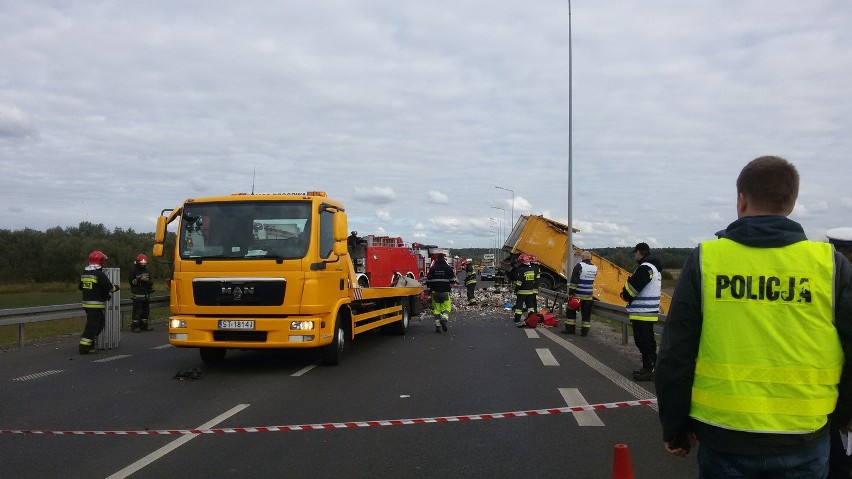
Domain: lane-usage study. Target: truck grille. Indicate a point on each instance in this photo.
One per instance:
(234, 292)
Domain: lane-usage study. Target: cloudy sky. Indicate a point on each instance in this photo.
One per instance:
(414, 113)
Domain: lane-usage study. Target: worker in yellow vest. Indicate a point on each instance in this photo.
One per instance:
(753, 356)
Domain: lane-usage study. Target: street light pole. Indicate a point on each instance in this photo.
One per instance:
(513, 196)
(569, 266)
(503, 238)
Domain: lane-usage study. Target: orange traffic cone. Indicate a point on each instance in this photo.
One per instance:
(621, 466)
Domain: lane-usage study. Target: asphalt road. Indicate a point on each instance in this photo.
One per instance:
(483, 365)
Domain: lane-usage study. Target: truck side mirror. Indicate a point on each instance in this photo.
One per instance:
(160, 232)
(340, 226)
(158, 250)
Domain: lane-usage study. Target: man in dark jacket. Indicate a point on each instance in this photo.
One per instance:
(141, 287)
(97, 290)
(755, 353)
(440, 282)
(642, 292)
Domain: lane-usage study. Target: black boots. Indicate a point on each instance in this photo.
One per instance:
(647, 371)
(570, 328)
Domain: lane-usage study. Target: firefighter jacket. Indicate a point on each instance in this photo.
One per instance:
(140, 282)
(96, 287)
(705, 338)
(441, 277)
(643, 289)
(470, 274)
(583, 280)
(524, 279)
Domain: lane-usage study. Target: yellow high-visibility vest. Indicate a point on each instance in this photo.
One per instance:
(769, 358)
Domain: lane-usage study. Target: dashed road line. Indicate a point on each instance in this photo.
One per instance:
(38, 375)
(163, 346)
(573, 397)
(546, 357)
(112, 358)
(531, 334)
(304, 370)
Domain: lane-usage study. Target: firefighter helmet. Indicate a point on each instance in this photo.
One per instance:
(142, 259)
(533, 259)
(573, 303)
(97, 257)
(525, 258)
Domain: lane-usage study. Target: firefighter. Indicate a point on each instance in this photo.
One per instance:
(642, 292)
(524, 279)
(581, 287)
(470, 281)
(141, 287)
(97, 290)
(440, 282)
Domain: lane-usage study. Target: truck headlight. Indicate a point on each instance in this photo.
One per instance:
(301, 325)
(177, 323)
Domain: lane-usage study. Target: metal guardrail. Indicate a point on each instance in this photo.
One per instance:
(23, 316)
(557, 300)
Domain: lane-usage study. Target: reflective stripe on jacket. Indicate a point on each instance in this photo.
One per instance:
(584, 289)
(769, 357)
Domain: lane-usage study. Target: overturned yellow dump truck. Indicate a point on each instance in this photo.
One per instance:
(547, 240)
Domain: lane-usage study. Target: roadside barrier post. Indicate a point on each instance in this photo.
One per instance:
(111, 335)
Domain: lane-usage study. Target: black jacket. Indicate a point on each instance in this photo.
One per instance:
(679, 346)
(140, 280)
(441, 277)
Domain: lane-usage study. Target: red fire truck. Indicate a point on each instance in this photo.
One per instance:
(379, 260)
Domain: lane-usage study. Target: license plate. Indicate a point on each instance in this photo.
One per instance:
(236, 324)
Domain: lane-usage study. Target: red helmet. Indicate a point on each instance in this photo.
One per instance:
(97, 257)
(533, 259)
(142, 259)
(573, 303)
(525, 258)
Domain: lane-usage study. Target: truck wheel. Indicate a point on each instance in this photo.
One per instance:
(212, 355)
(332, 352)
(401, 327)
(545, 282)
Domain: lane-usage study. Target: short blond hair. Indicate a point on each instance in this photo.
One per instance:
(586, 255)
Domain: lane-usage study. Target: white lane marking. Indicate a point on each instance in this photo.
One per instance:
(150, 458)
(38, 375)
(634, 389)
(304, 370)
(573, 397)
(112, 358)
(546, 357)
(163, 346)
(531, 334)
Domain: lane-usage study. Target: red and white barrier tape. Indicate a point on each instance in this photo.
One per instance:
(343, 425)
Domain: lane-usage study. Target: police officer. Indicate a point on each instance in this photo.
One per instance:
(581, 287)
(97, 290)
(642, 292)
(141, 287)
(440, 280)
(470, 281)
(758, 343)
(524, 278)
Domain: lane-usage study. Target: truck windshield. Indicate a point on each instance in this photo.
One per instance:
(257, 229)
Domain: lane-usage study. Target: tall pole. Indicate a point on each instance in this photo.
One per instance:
(513, 199)
(569, 265)
(502, 238)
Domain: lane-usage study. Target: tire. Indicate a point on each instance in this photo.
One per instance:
(363, 282)
(401, 327)
(545, 282)
(212, 355)
(332, 352)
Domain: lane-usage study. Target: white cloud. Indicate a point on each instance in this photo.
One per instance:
(384, 216)
(375, 195)
(438, 198)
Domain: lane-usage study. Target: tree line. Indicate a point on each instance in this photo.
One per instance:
(59, 255)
